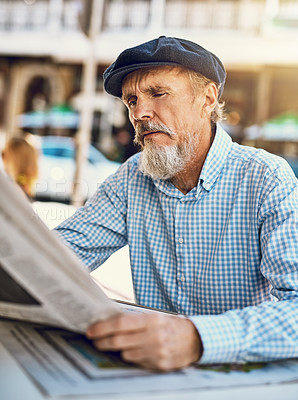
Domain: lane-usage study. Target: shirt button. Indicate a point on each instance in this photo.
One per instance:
(180, 240)
(182, 278)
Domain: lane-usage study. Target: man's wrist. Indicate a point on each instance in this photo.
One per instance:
(197, 343)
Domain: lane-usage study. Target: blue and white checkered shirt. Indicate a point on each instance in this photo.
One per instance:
(225, 254)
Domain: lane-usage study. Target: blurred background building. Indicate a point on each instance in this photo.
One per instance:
(44, 52)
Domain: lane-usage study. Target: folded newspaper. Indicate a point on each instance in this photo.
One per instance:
(41, 280)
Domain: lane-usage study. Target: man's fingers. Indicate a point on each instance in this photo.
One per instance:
(120, 324)
(136, 356)
(120, 342)
(145, 358)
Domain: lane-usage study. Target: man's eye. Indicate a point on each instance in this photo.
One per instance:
(159, 94)
(131, 103)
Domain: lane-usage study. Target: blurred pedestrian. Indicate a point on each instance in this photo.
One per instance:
(20, 160)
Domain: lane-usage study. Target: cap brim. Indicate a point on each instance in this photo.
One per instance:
(113, 84)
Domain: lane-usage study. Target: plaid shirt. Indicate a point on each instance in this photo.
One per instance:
(225, 254)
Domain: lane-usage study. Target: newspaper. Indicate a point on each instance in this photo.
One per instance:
(64, 363)
(41, 280)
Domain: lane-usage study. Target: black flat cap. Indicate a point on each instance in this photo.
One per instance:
(164, 51)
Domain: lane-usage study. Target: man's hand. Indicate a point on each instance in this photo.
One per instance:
(152, 340)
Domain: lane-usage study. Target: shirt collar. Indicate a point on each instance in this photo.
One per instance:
(216, 156)
(168, 188)
(212, 167)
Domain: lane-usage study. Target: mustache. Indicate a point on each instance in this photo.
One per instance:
(149, 126)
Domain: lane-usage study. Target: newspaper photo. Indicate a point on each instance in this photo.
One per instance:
(41, 280)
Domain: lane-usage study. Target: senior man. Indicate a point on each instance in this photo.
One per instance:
(211, 225)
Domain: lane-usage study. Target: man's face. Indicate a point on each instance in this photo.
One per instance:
(167, 116)
(162, 96)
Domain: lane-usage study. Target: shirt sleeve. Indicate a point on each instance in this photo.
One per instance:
(268, 331)
(98, 229)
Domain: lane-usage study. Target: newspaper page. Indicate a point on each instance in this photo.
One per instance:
(41, 280)
(64, 363)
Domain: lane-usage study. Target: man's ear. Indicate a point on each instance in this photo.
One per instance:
(211, 95)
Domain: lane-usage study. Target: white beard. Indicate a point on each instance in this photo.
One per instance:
(164, 162)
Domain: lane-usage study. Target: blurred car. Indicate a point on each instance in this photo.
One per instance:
(57, 168)
(293, 161)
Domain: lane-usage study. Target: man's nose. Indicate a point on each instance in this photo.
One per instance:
(142, 111)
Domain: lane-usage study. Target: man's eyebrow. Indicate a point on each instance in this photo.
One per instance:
(157, 88)
(126, 96)
(149, 90)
